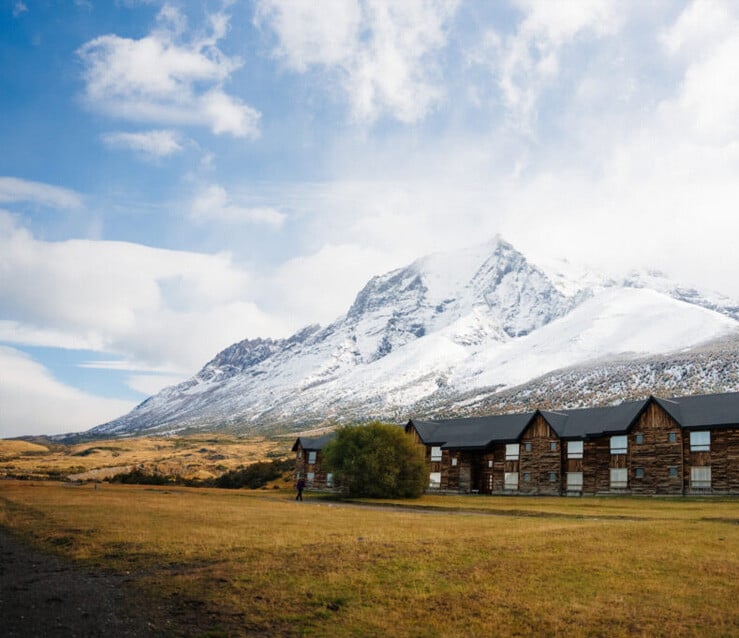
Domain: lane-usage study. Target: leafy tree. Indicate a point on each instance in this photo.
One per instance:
(377, 461)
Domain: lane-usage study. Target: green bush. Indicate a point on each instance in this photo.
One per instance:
(376, 461)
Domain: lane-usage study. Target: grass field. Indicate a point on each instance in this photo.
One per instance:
(258, 563)
(197, 456)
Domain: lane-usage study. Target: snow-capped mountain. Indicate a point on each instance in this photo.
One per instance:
(445, 329)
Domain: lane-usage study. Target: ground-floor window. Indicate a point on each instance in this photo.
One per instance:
(574, 481)
(435, 480)
(330, 479)
(619, 478)
(310, 477)
(510, 481)
(700, 478)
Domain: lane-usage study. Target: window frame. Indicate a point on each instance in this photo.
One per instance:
(619, 449)
(509, 451)
(434, 484)
(618, 484)
(702, 483)
(572, 486)
(508, 483)
(312, 457)
(699, 445)
(575, 454)
(436, 453)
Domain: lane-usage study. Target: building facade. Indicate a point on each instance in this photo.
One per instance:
(686, 445)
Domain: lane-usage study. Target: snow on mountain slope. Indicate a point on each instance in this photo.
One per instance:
(446, 325)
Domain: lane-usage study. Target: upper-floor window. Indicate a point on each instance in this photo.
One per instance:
(553, 446)
(700, 441)
(639, 438)
(436, 453)
(527, 446)
(672, 437)
(619, 444)
(511, 452)
(454, 461)
(311, 458)
(574, 449)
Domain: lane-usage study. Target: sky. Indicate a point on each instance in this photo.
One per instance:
(179, 176)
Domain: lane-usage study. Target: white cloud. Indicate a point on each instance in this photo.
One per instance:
(34, 402)
(150, 384)
(14, 189)
(214, 204)
(160, 143)
(164, 79)
(19, 8)
(527, 62)
(380, 49)
(166, 309)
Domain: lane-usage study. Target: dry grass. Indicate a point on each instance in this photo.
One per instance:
(255, 563)
(197, 456)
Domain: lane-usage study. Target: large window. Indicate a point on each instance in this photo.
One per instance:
(619, 444)
(574, 449)
(311, 458)
(436, 453)
(329, 480)
(574, 481)
(700, 478)
(619, 478)
(511, 452)
(510, 481)
(700, 441)
(435, 480)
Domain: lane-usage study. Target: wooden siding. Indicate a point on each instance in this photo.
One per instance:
(540, 459)
(651, 453)
(303, 468)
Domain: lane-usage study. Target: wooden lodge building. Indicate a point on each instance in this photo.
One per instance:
(686, 445)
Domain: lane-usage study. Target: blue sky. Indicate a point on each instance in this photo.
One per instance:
(178, 176)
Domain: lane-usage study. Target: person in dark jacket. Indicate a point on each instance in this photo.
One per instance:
(300, 486)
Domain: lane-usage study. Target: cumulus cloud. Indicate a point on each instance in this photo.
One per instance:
(154, 144)
(34, 402)
(214, 204)
(165, 78)
(14, 189)
(168, 310)
(380, 49)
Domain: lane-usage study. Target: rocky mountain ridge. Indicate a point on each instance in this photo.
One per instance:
(449, 331)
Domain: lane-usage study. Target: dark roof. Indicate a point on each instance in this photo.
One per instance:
(707, 410)
(316, 443)
(704, 411)
(588, 422)
(474, 432)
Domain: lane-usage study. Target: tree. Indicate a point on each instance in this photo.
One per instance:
(377, 461)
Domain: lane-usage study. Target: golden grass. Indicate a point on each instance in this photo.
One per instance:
(258, 563)
(196, 456)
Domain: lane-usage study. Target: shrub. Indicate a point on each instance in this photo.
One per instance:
(255, 475)
(376, 461)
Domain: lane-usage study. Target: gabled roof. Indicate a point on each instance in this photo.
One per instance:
(474, 432)
(706, 410)
(588, 422)
(314, 443)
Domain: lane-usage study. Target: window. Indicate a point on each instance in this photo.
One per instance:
(330, 479)
(639, 438)
(510, 481)
(435, 480)
(436, 453)
(619, 444)
(639, 472)
(490, 463)
(511, 453)
(574, 449)
(454, 462)
(310, 477)
(552, 476)
(311, 458)
(619, 478)
(700, 477)
(672, 437)
(527, 446)
(673, 471)
(553, 446)
(574, 481)
(527, 476)
(700, 441)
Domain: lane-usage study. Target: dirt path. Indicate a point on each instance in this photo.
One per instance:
(42, 595)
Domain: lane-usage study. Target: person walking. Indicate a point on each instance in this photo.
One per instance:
(300, 486)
